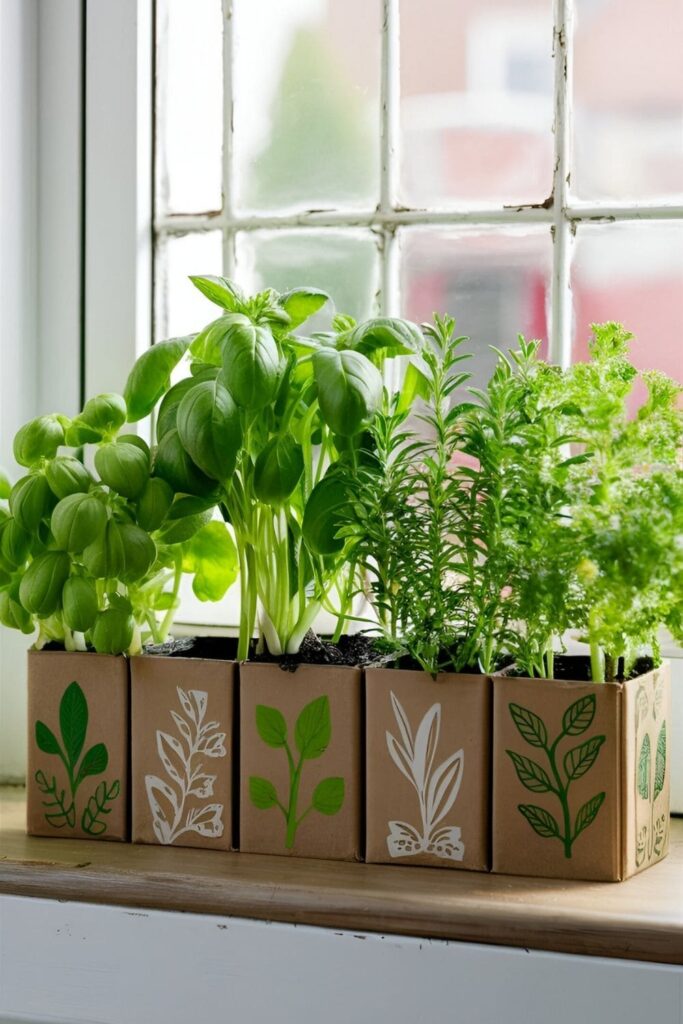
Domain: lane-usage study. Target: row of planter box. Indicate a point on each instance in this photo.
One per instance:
(514, 775)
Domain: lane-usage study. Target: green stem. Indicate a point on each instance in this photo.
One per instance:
(562, 793)
(597, 663)
(292, 823)
(168, 617)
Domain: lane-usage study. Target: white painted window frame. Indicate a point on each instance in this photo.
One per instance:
(562, 213)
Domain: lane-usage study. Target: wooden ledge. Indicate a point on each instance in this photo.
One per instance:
(640, 919)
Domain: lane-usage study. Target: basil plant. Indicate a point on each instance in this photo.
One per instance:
(257, 427)
(95, 560)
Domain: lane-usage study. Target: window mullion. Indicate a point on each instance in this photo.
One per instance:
(227, 163)
(561, 298)
(389, 148)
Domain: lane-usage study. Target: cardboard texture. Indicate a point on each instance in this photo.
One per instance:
(300, 761)
(581, 776)
(77, 776)
(428, 750)
(183, 760)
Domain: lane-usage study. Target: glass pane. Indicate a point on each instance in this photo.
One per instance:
(476, 102)
(180, 308)
(495, 283)
(628, 99)
(306, 109)
(189, 105)
(632, 273)
(343, 263)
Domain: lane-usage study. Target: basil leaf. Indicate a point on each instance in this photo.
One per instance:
(209, 428)
(150, 376)
(349, 389)
(251, 364)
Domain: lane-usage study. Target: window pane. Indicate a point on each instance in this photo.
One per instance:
(343, 263)
(306, 109)
(632, 273)
(628, 99)
(181, 309)
(476, 102)
(495, 283)
(189, 105)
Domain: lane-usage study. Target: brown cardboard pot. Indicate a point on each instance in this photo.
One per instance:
(77, 779)
(428, 750)
(182, 751)
(581, 776)
(300, 761)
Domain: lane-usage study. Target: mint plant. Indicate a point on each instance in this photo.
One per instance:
(256, 427)
(60, 803)
(312, 734)
(576, 762)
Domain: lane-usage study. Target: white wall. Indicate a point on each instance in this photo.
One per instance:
(18, 305)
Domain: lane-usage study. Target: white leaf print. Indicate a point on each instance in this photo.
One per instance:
(404, 726)
(174, 808)
(214, 746)
(437, 789)
(206, 821)
(182, 726)
(200, 698)
(186, 704)
(202, 786)
(159, 791)
(400, 758)
(425, 745)
(444, 786)
(167, 746)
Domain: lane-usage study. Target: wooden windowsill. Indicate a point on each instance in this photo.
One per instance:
(640, 919)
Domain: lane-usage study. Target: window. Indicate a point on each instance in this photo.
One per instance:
(516, 163)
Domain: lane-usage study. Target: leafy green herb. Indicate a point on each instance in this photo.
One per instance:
(625, 505)
(255, 429)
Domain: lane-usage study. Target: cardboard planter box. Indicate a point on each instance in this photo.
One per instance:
(77, 779)
(581, 776)
(428, 751)
(183, 760)
(300, 761)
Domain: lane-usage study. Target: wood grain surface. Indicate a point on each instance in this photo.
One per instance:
(640, 919)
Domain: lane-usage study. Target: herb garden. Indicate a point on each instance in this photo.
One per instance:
(458, 542)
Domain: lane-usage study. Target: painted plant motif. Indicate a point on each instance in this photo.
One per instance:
(436, 786)
(312, 735)
(174, 804)
(576, 720)
(652, 834)
(61, 807)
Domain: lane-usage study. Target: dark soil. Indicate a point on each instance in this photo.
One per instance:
(407, 663)
(355, 650)
(577, 668)
(210, 648)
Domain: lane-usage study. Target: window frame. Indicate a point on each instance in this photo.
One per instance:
(562, 213)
